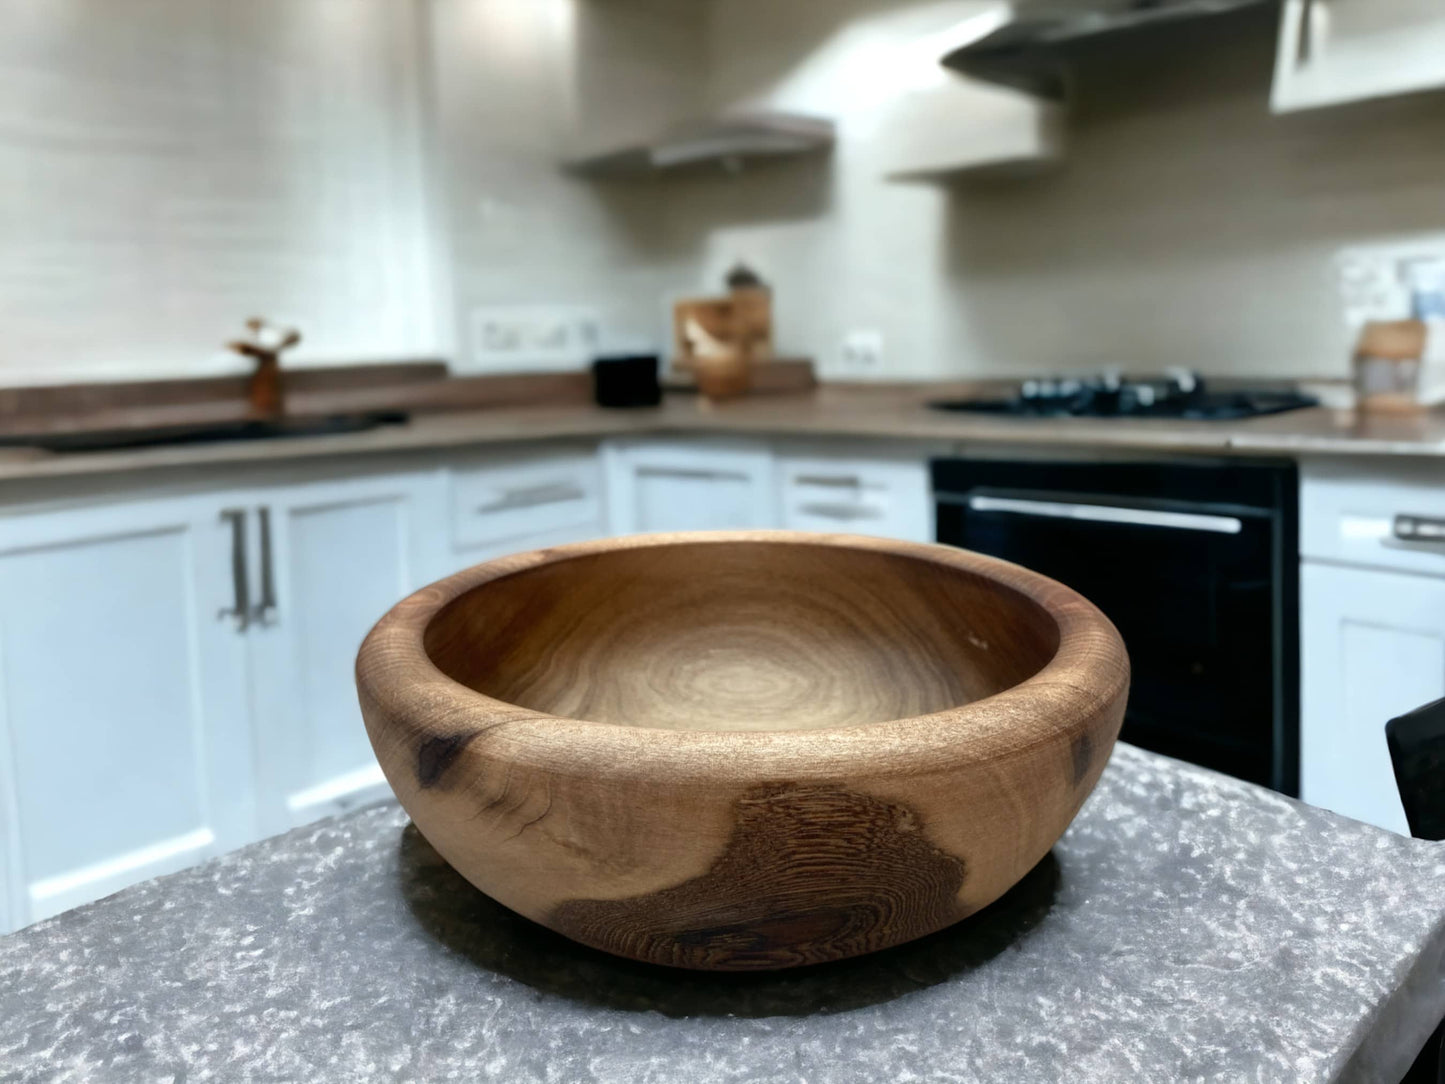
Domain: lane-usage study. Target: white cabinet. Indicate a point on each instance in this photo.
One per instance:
(330, 557)
(176, 668)
(1335, 51)
(1372, 624)
(176, 673)
(502, 504)
(1348, 514)
(879, 495)
(688, 486)
(123, 743)
(1373, 647)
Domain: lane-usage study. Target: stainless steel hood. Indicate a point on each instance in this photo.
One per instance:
(1023, 44)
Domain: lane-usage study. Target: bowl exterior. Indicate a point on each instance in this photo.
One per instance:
(745, 850)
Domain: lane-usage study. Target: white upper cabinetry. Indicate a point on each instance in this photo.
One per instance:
(1336, 51)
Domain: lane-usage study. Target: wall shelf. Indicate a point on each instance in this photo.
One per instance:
(728, 140)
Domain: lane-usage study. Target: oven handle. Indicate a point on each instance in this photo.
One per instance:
(1108, 513)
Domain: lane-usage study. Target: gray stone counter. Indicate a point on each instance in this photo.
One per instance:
(1188, 927)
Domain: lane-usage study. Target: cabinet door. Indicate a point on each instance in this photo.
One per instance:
(1334, 51)
(503, 504)
(122, 699)
(1373, 647)
(332, 557)
(884, 496)
(667, 486)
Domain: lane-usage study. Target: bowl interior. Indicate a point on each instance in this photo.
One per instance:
(741, 636)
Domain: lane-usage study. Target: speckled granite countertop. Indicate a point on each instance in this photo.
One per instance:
(884, 412)
(1187, 927)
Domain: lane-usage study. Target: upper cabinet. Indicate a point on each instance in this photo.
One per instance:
(1336, 51)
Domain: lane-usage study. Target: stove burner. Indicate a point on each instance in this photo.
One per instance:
(1180, 394)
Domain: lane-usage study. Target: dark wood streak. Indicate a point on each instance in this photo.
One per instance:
(810, 873)
(436, 754)
(1082, 749)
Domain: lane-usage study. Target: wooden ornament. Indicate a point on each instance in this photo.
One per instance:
(743, 750)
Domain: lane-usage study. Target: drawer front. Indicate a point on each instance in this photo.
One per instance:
(857, 496)
(1372, 647)
(657, 485)
(496, 502)
(1378, 514)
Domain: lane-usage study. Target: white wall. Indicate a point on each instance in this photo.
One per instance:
(523, 85)
(170, 167)
(375, 170)
(1188, 226)
(370, 170)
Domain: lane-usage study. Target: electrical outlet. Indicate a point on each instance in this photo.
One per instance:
(862, 351)
(1379, 281)
(533, 336)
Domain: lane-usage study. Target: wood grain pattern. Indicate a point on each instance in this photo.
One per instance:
(743, 750)
(748, 636)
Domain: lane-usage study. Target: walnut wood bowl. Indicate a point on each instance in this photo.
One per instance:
(743, 750)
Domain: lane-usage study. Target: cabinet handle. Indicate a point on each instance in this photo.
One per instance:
(1419, 529)
(698, 473)
(532, 497)
(266, 608)
(840, 511)
(837, 481)
(241, 607)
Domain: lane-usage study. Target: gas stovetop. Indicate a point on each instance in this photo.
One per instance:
(1178, 394)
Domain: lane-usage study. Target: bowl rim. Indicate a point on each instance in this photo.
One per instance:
(400, 685)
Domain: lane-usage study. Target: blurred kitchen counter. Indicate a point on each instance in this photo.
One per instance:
(885, 411)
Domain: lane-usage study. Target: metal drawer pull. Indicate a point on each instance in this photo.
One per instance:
(241, 606)
(1105, 513)
(1419, 529)
(684, 472)
(836, 481)
(532, 496)
(840, 511)
(267, 606)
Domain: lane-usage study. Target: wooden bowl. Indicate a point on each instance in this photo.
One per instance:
(743, 750)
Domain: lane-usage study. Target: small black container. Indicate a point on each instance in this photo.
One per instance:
(626, 380)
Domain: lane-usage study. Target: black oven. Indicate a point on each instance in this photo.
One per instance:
(1197, 565)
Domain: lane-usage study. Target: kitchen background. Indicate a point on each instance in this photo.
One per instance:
(449, 181)
(385, 175)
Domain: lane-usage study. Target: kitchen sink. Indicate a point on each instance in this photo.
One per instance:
(98, 440)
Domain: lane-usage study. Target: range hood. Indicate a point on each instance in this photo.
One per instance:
(1023, 44)
(728, 139)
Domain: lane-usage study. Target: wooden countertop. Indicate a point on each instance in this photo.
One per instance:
(896, 412)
